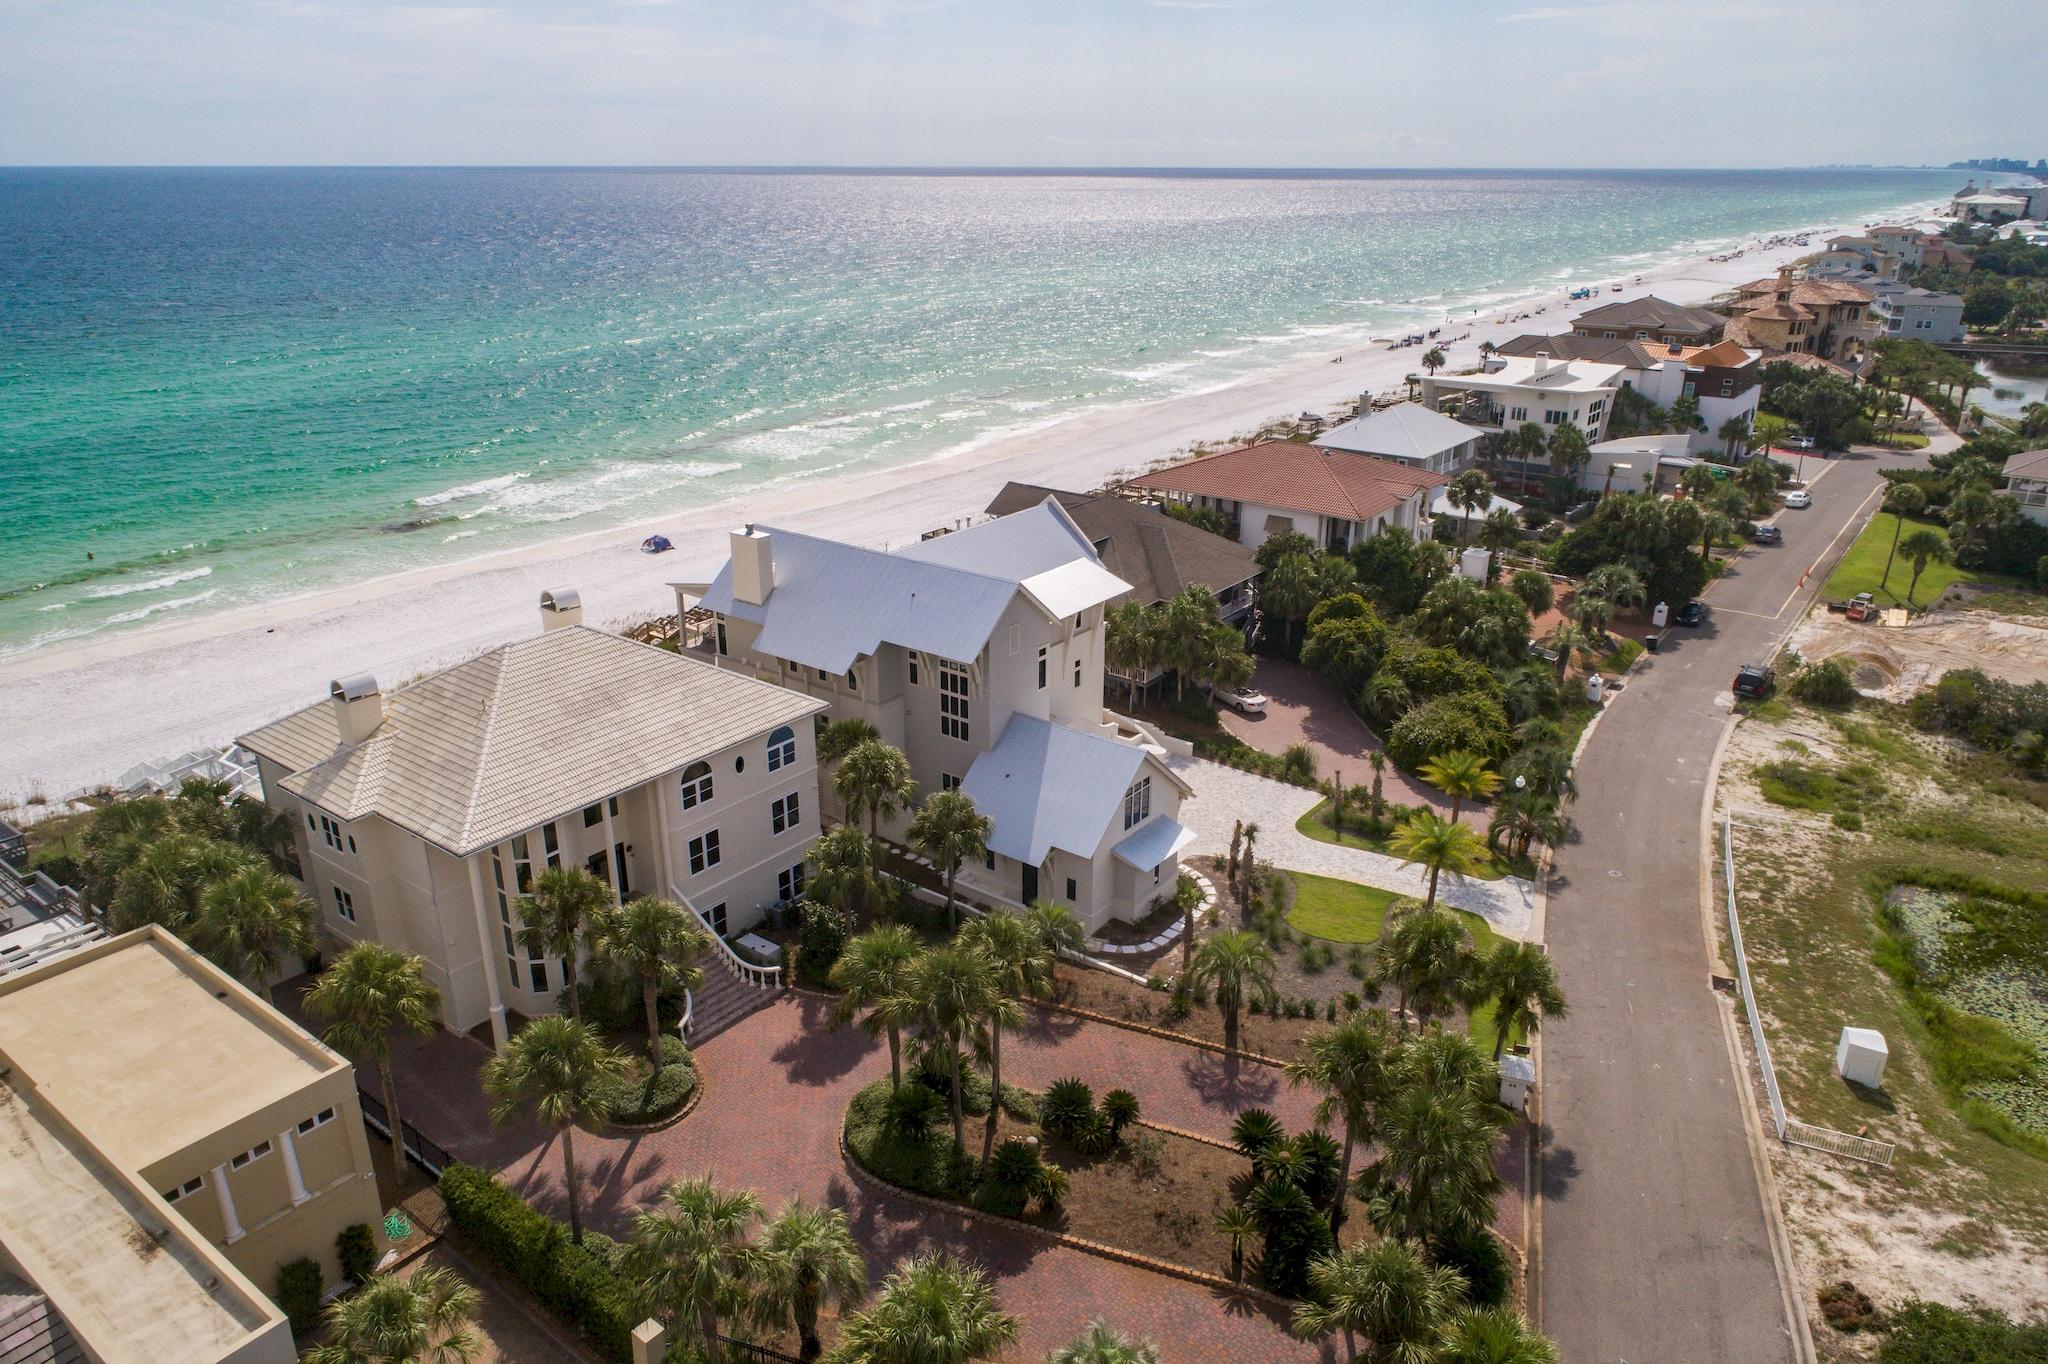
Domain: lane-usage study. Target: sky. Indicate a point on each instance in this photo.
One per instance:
(1209, 83)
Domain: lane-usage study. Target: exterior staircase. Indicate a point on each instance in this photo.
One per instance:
(31, 1332)
(723, 1000)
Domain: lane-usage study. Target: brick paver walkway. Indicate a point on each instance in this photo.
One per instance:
(1303, 708)
(1224, 795)
(777, 1088)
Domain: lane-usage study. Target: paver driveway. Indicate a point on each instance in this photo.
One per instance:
(1303, 708)
(1224, 795)
(777, 1087)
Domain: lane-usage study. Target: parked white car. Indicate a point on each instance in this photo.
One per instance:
(1243, 699)
(1799, 499)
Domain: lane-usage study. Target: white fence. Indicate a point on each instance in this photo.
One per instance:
(1788, 1129)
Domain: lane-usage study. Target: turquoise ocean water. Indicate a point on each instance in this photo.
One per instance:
(232, 385)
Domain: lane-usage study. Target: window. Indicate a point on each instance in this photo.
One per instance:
(1556, 416)
(1080, 621)
(1138, 802)
(783, 814)
(953, 703)
(948, 782)
(703, 851)
(320, 1119)
(593, 815)
(537, 976)
(1041, 667)
(696, 785)
(1518, 414)
(551, 842)
(781, 748)
(344, 904)
(331, 834)
(717, 917)
(185, 1190)
(256, 1152)
(789, 883)
(852, 680)
(1073, 890)
(522, 864)
(1077, 672)
(913, 670)
(988, 859)
(721, 639)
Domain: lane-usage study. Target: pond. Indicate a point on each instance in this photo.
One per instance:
(2013, 384)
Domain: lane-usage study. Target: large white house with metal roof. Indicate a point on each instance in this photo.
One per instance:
(979, 654)
(422, 816)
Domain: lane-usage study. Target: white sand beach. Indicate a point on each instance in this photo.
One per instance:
(85, 714)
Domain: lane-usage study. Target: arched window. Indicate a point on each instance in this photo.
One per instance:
(781, 748)
(696, 785)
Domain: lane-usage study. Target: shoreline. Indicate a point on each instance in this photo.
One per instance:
(99, 707)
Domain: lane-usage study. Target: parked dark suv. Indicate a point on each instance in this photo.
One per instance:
(1693, 612)
(1753, 680)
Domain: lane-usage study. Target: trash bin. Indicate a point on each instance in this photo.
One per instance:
(1652, 640)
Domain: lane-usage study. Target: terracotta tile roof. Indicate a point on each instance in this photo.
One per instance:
(1727, 352)
(1298, 478)
(1809, 292)
(1813, 362)
(1780, 312)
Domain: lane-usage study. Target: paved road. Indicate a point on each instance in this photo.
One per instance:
(1655, 1245)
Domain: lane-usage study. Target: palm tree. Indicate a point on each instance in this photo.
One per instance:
(1904, 501)
(1462, 777)
(1495, 1335)
(871, 974)
(1288, 589)
(1522, 983)
(421, 1319)
(1218, 659)
(1499, 532)
(1020, 965)
(1187, 898)
(1100, 1345)
(163, 879)
(949, 830)
(1768, 430)
(1354, 1065)
(847, 873)
(806, 1256)
(1532, 588)
(553, 916)
(551, 1069)
(874, 777)
(250, 920)
(1056, 927)
(689, 1258)
(1433, 360)
(1921, 548)
(1469, 492)
(1386, 1293)
(1435, 1173)
(1616, 584)
(1244, 865)
(1733, 432)
(947, 992)
(370, 990)
(1522, 818)
(933, 1310)
(1437, 843)
(1239, 1224)
(1568, 449)
(1236, 967)
(655, 940)
(1427, 956)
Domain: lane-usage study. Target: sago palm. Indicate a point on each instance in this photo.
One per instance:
(690, 1259)
(369, 991)
(949, 830)
(1496, 1335)
(554, 915)
(806, 1256)
(551, 1071)
(250, 920)
(1236, 968)
(421, 1319)
(871, 973)
(655, 939)
(934, 1310)
(1100, 1345)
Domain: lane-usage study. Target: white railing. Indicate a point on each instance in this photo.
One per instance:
(764, 977)
(689, 1014)
(55, 946)
(1787, 1128)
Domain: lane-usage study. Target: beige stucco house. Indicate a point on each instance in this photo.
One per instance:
(423, 816)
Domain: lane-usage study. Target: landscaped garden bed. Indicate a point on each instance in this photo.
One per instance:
(640, 1097)
(1375, 836)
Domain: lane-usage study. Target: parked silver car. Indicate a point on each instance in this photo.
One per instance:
(1243, 699)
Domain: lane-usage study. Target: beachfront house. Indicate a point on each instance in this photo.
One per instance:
(1905, 312)
(1408, 434)
(1334, 497)
(1542, 388)
(423, 815)
(1650, 318)
(1724, 378)
(1828, 318)
(2026, 478)
(979, 654)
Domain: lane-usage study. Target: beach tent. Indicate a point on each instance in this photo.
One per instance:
(655, 544)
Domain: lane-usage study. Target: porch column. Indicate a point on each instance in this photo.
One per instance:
(611, 858)
(664, 808)
(500, 1035)
(287, 1143)
(226, 1198)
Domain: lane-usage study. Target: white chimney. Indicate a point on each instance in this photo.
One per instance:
(1542, 366)
(358, 707)
(559, 607)
(753, 566)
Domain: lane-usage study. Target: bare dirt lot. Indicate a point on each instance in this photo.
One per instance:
(1894, 663)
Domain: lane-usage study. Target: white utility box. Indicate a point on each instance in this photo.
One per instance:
(1860, 1057)
(1473, 563)
(1517, 1073)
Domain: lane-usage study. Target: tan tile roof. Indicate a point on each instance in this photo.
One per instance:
(1810, 292)
(1813, 362)
(1649, 313)
(1720, 353)
(524, 734)
(2027, 464)
(1298, 478)
(1780, 312)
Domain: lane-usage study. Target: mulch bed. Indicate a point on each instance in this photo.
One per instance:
(1099, 992)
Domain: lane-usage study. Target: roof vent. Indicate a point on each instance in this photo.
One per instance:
(560, 606)
(358, 707)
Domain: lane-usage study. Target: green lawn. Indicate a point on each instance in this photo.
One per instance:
(1315, 824)
(1862, 568)
(1617, 659)
(1344, 911)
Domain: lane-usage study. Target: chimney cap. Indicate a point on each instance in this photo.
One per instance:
(352, 688)
(560, 599)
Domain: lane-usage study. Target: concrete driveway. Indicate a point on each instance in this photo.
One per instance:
(1655, 1242)
(1304, 709)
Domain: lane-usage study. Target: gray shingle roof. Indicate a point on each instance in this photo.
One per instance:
(524, 734)
(1651, 313)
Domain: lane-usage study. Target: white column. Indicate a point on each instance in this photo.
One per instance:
(611, 858)
(500, 1034)
(221, 1192)
(665, 804)
(288, 1144)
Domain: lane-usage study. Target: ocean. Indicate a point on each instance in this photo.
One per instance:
(219, 387)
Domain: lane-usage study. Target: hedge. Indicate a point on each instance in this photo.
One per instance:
(650, 1099)
(534, 1249)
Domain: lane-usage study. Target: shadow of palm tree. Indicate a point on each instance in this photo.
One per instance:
(1227, 1083)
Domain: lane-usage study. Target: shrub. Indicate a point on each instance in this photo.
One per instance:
(1015, 1172)
(1096, 1136)
(1930, 1333)
(356, 1248)
(298, 1292)
(824, 938)
(535, 1250)
(1318, 1164)
(1120, 1110)
(913, 1111)
(1467, 722)
(925, 1164)
(1255, 1132)
(1477, 1254)
(650, 1099)
(1847, 1307)
(1052, 1188)
(1066, 1107)
(1298, 765)
(1825, 683)
(1294, 1231)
